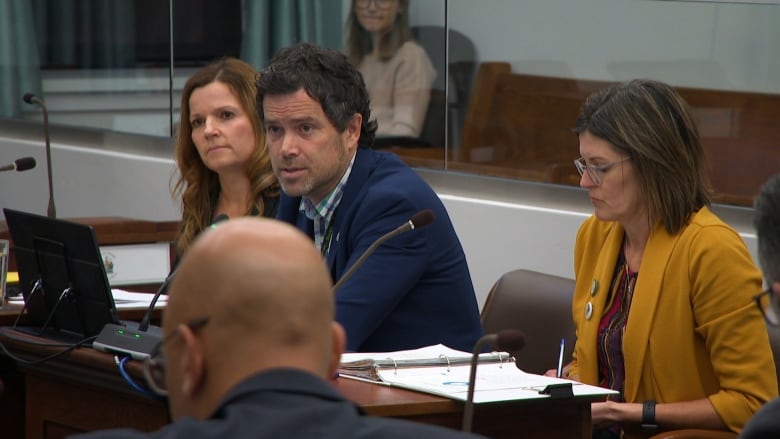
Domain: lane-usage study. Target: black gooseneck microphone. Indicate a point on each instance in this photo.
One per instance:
(19, 165)
(419, 219)
(508, 340)
(30, 98)
(139, 342)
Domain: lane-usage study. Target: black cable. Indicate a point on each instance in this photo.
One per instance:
(68, 348)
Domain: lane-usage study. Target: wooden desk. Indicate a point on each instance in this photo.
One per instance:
(83, 391)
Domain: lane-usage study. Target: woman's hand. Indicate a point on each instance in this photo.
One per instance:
(607, 413)
(564, 373)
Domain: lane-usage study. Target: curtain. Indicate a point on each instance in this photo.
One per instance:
(19, 70)
(86, 33)
(270, 25)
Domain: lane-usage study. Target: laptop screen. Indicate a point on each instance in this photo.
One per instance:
(61, 274)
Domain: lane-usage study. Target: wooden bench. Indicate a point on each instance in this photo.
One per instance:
(520, 126)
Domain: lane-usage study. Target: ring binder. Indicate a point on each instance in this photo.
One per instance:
(368, 365)
(448, 361)
(395, 365)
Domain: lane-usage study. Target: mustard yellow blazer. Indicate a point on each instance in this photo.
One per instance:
(693, 330)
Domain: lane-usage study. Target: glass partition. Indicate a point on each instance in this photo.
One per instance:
(537, 61)
(509, 78)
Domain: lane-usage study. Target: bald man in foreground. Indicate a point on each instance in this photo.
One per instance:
(251, 343)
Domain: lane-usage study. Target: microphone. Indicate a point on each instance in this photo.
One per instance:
(30, 98)
(19, 165)
(508, 340)
(143, 326)
(136, 342)
(139, 342)
(419, 219)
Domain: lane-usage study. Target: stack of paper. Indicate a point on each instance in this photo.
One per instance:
(122, 299)
(127, 299)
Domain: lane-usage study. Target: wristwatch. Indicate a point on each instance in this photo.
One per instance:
(648, 415)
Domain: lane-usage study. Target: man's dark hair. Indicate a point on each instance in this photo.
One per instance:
(327, 76)
(767, 224)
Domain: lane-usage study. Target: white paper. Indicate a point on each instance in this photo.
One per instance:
(128, 299)
(494, 382)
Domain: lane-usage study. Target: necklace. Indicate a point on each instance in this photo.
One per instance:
(628, 280)
(629, 277)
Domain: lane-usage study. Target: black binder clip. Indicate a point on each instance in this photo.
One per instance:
(561, 390)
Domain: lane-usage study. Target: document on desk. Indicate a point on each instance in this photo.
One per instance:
(128, 299)
(443, 371)
(122, 299)
(494, 382)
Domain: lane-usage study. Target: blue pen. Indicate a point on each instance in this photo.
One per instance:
(560, 358)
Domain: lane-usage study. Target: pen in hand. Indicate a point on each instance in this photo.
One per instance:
(559, 372)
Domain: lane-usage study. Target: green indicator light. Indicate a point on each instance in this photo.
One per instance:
(120, 331)
(137, 335)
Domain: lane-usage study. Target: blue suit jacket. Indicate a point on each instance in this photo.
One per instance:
(415, 289)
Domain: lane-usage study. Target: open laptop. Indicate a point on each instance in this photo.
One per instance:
(61, 274)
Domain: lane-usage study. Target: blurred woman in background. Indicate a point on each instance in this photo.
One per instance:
(397, 71)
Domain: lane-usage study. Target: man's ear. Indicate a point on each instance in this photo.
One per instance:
(352, 133)
(338, 341)
(193, 362)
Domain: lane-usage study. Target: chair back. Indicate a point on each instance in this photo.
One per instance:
(774, 343)
(539, 305)
(454, 56)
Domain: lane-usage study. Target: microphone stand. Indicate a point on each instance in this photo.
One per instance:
(30, 98)
(508, 340)
(393, 233)
(136, 342)
(51, 211)
(419, 219)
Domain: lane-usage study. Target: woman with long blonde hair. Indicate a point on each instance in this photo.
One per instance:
(223, 164)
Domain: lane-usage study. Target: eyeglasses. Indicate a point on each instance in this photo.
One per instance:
(154, 365)
(381, 4)
(769, 304)
(595, 172)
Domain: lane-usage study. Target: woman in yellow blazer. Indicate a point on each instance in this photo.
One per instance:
(663, 297)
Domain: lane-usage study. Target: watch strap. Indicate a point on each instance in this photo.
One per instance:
(648, 415)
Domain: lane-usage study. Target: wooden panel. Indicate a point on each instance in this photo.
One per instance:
(58, 407)
(520, 126)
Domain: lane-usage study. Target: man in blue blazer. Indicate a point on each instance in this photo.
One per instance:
(415, 289)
